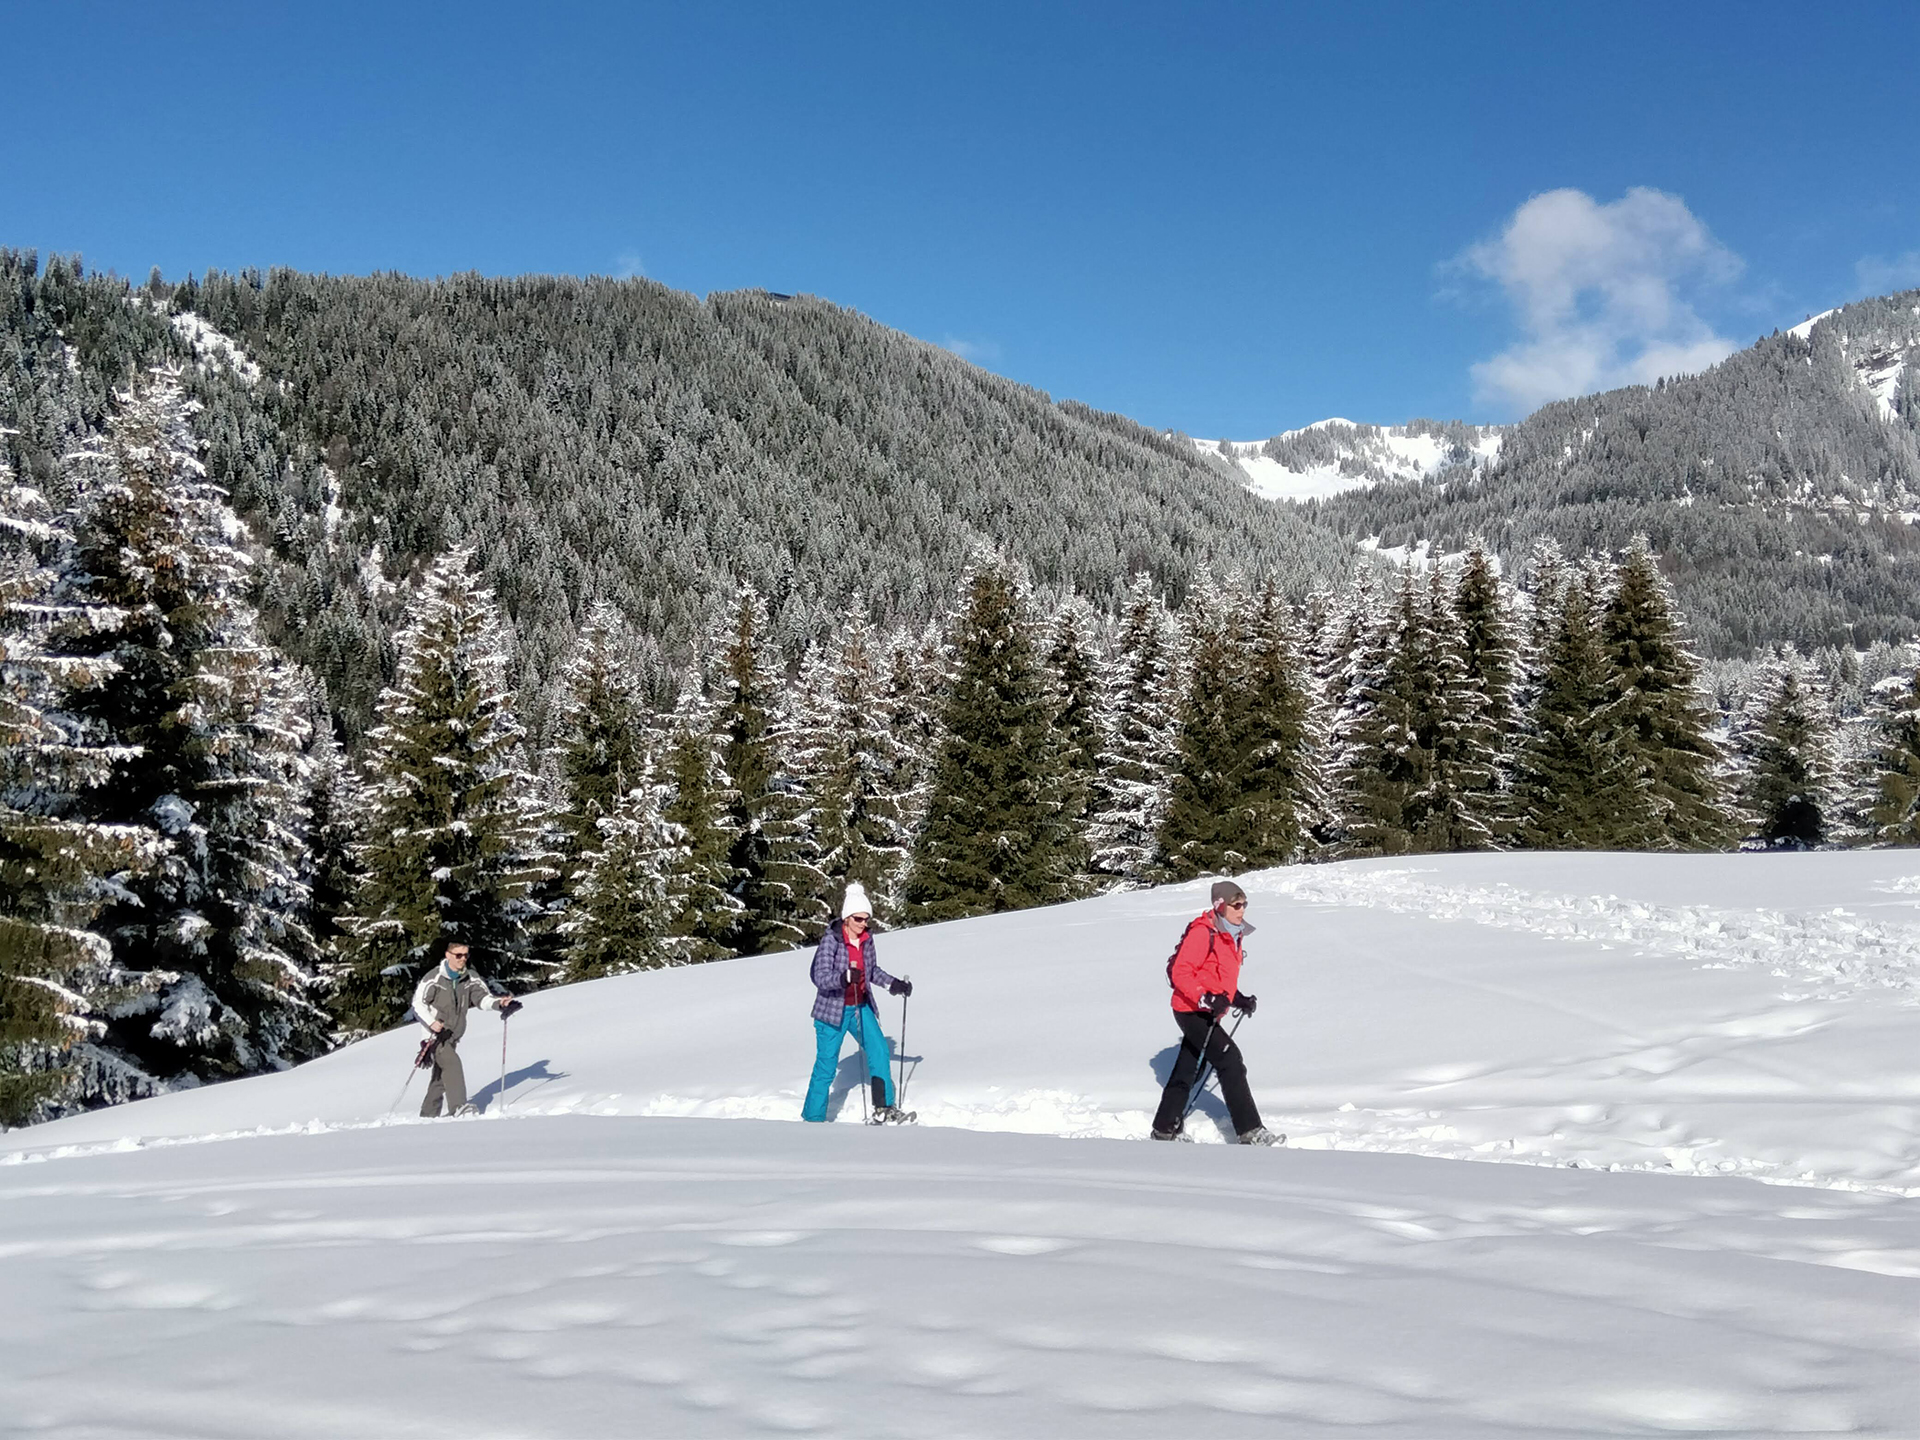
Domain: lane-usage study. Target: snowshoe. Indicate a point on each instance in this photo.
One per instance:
(468, 1110)
(1260, 1135)
(1176, 1134)
(893, 1115)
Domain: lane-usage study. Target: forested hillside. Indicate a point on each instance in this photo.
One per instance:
(1780, 487)
(602, 440)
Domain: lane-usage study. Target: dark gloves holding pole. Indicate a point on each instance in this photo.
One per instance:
(512, 1007)
(900, 987)
(1244, 1003)
(1215, 1004)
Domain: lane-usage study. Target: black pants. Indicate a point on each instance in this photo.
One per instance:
(1232, 1069)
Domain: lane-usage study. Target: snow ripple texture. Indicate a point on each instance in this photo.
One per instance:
(1834, 953)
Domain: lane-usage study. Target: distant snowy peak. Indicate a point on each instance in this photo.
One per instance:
(1330, 456)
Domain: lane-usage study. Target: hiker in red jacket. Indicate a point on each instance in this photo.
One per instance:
(1206, 984)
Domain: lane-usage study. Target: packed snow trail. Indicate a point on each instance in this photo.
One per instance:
(580, 1277)
(1738, 1014)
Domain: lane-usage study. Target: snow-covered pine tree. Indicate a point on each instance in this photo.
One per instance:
(988, 842)
(1490, 653)
(1282, 789)
(209, 730)
(1784, 747)
(55, 872)
(1078, 731)
(1142, 690)
(705, 911)
(1655, 706)
(763, 804)
(1574, 788)
(1893, 780)
(334, 805)
(1542, 603)
(1204, 828)
(915, 695)
(600, 750)
(450, 846)
(622, 913)
(1416, 768)
(849, 763)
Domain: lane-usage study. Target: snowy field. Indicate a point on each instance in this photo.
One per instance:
(640, 1241)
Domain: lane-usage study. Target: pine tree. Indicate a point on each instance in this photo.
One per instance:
(1142, 690)
(1204, 828)
(622, 916)
(1575, 788)
(705, 911)
(763, 803)
(599, 755)
(1078, 732)
(450, 842)
(1655, 707)
(850, 763)
(1416, 769)
(988, 842)
(1784, 744)
(1282, 792)
(1894, 783)
(1490, 655)
(55, 872)
(209, 730)
(916, 693)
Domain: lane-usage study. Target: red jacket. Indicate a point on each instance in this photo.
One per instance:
(1207, 962)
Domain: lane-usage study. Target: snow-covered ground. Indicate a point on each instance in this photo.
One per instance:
(643, 1243)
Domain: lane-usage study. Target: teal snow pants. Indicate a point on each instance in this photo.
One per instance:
(860, 1022)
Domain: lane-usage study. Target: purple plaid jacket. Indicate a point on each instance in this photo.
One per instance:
(829, 968)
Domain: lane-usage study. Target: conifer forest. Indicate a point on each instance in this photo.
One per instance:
(604, 628)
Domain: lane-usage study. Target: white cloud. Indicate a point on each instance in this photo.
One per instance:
(980, 352)
(1880, 276)
(629, 266)
(1600, 294)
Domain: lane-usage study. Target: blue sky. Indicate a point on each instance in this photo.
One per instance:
(1229, 219)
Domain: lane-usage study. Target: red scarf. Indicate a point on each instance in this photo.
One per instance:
(856, 988)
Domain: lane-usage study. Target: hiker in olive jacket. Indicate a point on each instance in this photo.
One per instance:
(441, 1002)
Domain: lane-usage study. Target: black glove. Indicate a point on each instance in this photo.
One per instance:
(849, 976)
(1215, 1004)
(1244, 1003)
(900, 987)
(512, 1007)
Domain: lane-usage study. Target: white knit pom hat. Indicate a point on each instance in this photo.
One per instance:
(856, 902)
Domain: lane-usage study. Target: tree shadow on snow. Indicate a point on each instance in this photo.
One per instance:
(537, 1071)
(1209, 1104)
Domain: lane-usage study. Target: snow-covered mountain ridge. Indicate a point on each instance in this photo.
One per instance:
(1332, 456)
(606, 1251)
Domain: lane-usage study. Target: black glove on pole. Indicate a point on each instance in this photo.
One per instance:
(1244, 1003)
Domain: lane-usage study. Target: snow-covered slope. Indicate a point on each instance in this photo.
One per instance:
(1331, 456)
(637, 1241)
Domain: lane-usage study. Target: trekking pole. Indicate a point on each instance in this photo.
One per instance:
(900, 1090)
(1205, 1071)
(419, 1058)
(503, 1062)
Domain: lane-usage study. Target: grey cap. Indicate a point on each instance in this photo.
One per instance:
(1226, 892)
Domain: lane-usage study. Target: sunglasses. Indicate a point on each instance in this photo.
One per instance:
(1234, 905)
(859, 919)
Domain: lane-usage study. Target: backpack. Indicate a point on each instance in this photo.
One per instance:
(1181, 941)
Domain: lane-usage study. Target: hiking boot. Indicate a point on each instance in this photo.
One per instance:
(468, 1109)
(893, 1115)
(1174, 1134)
(1260, 1135)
